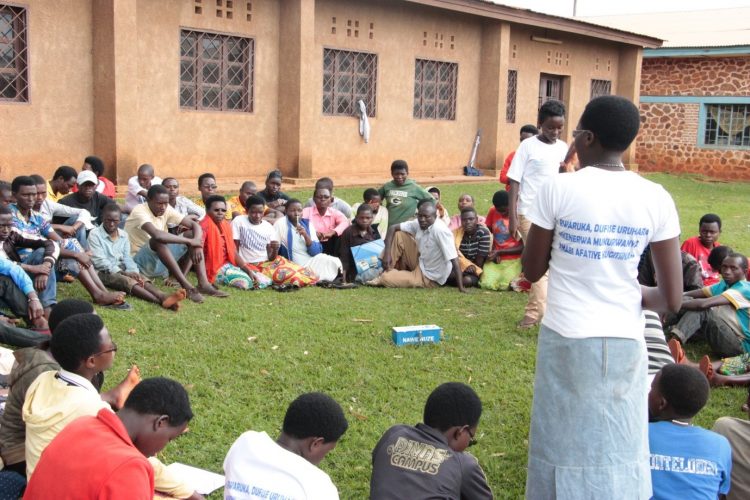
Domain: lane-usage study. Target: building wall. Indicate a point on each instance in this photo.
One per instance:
(105, 79)
(398, 40)
(577, 59)
(186, 143)
(55, 127)
(686, 76)
(673, 91)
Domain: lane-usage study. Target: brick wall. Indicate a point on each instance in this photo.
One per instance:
(727, 76)
(668, 141)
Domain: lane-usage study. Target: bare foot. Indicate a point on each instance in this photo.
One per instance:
(704, 365)
(109, 298)
(121, 392)
(194, 295)
(174, 299)
(677, 352)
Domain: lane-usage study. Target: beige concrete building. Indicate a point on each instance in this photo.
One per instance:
(240, 87)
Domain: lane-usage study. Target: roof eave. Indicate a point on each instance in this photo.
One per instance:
(486, 9)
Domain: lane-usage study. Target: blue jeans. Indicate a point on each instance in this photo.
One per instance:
(48, 296)
(81, 233)
(149, 263)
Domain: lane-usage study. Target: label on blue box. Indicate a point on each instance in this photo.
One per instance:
(416, 334)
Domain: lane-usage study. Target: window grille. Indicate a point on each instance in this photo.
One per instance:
(348, 77)
(435, 89)
(14, 78)
(216, 72)
(600, 88)
(510, 103)
(727, 125)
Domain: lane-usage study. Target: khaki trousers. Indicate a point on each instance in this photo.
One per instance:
(537, 302)
(406, 272)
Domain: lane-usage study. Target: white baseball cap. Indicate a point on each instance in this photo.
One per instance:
(87, 176)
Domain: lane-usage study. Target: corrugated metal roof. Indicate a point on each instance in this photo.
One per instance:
(697, 28)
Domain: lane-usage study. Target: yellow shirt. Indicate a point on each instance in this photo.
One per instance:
(51, 404)
(140, 215)
(51, 193)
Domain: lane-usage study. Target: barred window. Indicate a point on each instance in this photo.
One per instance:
(510, 103)
(14, 78)
(348, 77)
(216, 72)
(600, 88)
(435, 88)
(727, 125)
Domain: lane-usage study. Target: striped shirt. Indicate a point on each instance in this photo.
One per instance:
(658, 350)
(477, 244)
(253, 238)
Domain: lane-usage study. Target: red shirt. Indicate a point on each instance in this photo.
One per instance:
(92, 458)
(504, 172)
(501, 238)
(694, 247)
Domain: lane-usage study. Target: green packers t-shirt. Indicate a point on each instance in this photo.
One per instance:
(402, 201)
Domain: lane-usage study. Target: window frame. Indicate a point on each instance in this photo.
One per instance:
(223, 87)
(703, 116)
(334, 96)
(21, 60)
(451, 101)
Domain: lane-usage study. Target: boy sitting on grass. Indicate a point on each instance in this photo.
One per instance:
(709, 230)
(428, 460)
(379, 213)
(110, 246)
(238, 203)
(359, 233)
(720, 311)
(259, 467)
(686, 461)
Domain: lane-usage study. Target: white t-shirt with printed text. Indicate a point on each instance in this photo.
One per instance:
(258, 468)
(533, 165)
(602, 221)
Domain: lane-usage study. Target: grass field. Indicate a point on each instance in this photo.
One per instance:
(243, 359)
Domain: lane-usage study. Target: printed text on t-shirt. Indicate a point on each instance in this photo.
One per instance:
(600, 241)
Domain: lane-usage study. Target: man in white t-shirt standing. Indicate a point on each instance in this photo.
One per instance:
(259, 467)
(537, 160)
(588, 436)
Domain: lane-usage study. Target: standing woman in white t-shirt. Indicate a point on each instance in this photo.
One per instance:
(537, 159)
(588, 436)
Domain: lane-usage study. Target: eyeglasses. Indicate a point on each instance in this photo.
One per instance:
(578, 132)
(114, 349)
(472, 441)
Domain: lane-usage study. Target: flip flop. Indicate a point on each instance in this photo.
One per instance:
(677, 351)
(121, 306)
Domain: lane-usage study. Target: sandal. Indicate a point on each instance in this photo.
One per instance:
(213, 292)
(194, 295)
(120, 306)
(527, 323)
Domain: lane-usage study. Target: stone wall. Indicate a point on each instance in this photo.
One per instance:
(669, 141)
(726, 76)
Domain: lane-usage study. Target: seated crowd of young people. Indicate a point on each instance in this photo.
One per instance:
(401, 235)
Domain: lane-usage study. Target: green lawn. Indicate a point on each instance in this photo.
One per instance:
(245, 358)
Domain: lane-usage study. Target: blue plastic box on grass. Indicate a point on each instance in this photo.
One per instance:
(417, 334)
